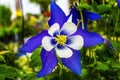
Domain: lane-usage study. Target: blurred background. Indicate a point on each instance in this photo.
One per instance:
(22, 19)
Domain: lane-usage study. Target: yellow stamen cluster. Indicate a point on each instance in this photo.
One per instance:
(61, 39)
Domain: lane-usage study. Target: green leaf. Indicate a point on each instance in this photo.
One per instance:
(35, 58)
(118, 75)
(85, 6)
(117, 27)
(2, 58)
(116, 45)
(102, 66)
(116, 66)
(11, 72)
(2, 77)
(103, 8)
(8, 72)
(2, 69)
(1, 32)
(31, 76)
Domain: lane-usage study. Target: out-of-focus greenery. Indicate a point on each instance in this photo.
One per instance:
(5, 16)
(100, 62)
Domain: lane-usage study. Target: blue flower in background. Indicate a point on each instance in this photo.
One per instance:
(22, 53)
(64, 39)
(90, 38)
(118, 2)
(86, 16)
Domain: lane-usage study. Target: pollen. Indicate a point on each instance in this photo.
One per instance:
(61, 39)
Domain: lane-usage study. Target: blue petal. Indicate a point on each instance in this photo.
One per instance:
(75, 15)
(74, 62)
(85, 17)
(93, 16)
(118, 1)
(90, 38)
(85, 23)
(57, 15)
(34, 42)
(21, 53)
(49, 61)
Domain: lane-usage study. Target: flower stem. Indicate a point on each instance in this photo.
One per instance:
(79, 21)
(82, 19)
(118, 15)
(114, 30)
(117, 21)
(22, 41)
(61, 71)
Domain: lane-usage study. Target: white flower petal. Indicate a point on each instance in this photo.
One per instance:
(69, 28)
(54, 28)
(47, 44)
(64, 53)
(75, 42)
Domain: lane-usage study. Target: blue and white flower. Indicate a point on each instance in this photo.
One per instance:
(63, 39)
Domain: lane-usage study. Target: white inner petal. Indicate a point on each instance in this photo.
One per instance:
(46, 43)
(64, 53)
(76, 42)
(54, 28)
(69, 27)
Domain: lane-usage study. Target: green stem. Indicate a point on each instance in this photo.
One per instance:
(82, 19)
(22, 40)
(117, 21)
(106, 28)
(61, 71)
(79, 21)
(118, 15)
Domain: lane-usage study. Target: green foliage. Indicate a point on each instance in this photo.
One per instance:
(104, 9)
(8, 31)
(5, 16)
(7, 72)
(29, 28)
(2, 59)
(117, 27)
(85, 6)
(35, 58)
(116, 45)
(102, 66)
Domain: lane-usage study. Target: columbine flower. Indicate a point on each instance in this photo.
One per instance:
(65, 39)
(61, 39)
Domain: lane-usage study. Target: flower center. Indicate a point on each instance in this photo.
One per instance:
(61, 39)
